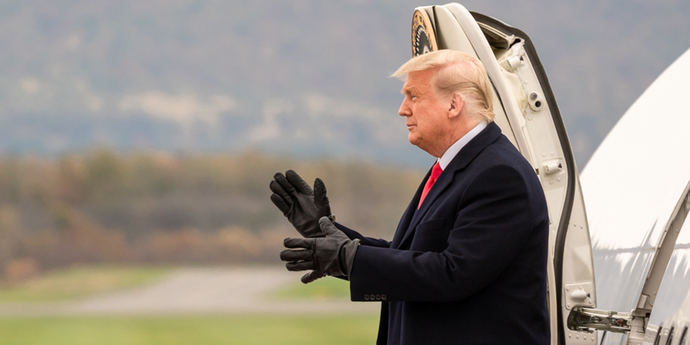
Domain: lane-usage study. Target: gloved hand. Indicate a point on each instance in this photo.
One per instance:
(330, 255)
(299, 203)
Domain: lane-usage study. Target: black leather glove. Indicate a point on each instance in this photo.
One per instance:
(299, 203)
(330, 255)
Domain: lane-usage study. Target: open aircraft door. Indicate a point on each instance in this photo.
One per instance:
(527, 113)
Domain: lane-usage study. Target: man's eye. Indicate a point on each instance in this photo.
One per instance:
(413, 97)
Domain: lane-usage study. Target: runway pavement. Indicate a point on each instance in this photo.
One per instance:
(235, 290)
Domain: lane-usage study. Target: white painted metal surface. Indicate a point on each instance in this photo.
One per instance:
(631, 185)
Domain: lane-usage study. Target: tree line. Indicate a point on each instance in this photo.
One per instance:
(104, 206)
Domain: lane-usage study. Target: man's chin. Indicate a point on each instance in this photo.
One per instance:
(413, 139)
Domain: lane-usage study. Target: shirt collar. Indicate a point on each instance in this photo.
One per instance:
(453, 150)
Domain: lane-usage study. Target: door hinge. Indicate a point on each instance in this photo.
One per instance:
(587, 319)
(634, 324)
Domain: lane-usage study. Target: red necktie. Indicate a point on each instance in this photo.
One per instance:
(435, 173)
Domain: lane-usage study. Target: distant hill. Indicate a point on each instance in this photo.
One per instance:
(308, 78)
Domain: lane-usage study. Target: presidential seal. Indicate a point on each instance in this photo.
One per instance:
(423, 39)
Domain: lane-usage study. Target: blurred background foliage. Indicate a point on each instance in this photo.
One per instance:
(160, 208)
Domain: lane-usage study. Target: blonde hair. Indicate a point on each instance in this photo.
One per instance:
(457, 72)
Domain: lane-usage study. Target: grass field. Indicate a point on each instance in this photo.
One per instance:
(192, 330)
(78, 282)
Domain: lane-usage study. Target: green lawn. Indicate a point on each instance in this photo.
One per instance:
(192, 330)
(78, 282)
(322, 289)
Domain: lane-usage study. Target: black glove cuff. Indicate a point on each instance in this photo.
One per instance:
(347, 257)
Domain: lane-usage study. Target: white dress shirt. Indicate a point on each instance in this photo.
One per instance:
(453, 150)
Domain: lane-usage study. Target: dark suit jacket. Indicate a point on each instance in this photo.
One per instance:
(468, 267)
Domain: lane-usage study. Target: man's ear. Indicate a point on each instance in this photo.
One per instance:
(456, 106)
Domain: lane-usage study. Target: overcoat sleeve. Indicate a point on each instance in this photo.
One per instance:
(363, 240)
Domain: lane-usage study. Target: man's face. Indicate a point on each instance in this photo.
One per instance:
(427, 118)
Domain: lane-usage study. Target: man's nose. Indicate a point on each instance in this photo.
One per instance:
(404, 109)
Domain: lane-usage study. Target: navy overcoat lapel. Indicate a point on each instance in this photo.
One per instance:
(404, 223)
(463, 158)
